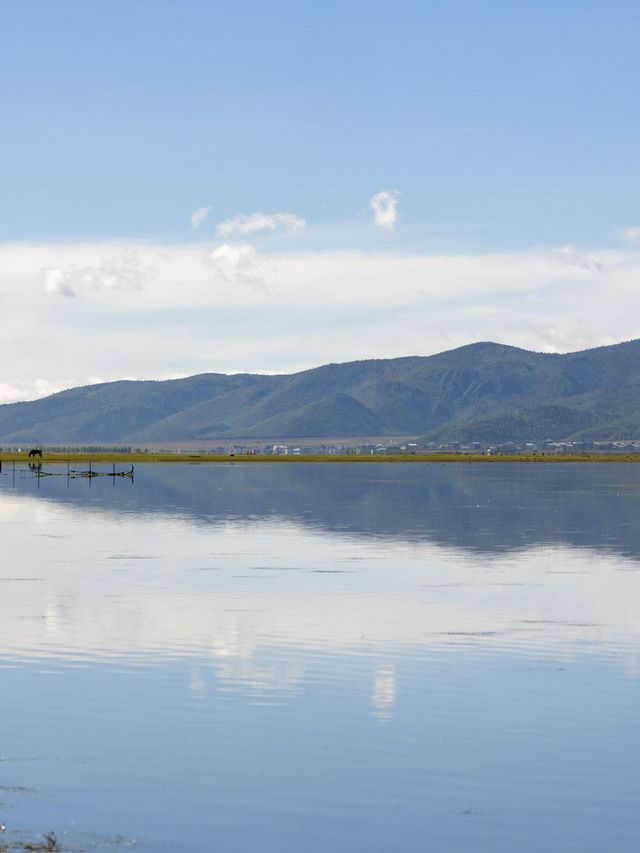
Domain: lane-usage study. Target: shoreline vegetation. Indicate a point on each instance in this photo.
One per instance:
(327, 458)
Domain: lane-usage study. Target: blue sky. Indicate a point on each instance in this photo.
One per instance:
(497, 129)
(501, 124)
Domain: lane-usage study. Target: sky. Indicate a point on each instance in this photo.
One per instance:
(265, 186)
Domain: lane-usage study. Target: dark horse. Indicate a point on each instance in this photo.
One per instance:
(35, 451)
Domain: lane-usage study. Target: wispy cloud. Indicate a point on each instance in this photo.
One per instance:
(248, 224)
(385, 209)
(120, 274)
(574, 257)
(631, 235)
(199, 216)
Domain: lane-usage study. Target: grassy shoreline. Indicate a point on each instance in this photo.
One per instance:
(184, 458)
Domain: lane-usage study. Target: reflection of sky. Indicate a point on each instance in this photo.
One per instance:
(83, 585)
(273, 685)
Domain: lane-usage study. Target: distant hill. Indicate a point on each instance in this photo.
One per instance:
(481, 392)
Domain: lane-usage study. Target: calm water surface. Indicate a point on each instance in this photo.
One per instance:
(323, 658)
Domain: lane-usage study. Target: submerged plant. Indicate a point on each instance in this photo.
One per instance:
(50, 844)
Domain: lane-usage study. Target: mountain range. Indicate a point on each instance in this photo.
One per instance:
(483, 392)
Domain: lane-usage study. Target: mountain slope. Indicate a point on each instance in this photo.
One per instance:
(484, 391)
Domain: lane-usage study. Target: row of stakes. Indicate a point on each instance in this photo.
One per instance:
(36, 470)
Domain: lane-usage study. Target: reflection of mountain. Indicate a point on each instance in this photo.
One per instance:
(482, 508)
(229, 563)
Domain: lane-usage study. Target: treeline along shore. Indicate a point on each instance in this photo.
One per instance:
(327, 458)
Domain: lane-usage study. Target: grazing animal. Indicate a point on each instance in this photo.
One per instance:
(35, 451)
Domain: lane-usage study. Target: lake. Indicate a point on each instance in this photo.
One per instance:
(322, 658)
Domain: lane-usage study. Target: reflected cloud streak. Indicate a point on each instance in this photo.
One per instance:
(383, 697)
(110, 586)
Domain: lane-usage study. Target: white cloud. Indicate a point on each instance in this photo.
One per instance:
(198, 217)
(385, 209)
(631, 235)
(236, 264)
(38, 388)
(114, 274)
(249, 224)
(584, 260)
(153, 310)
(58, 281)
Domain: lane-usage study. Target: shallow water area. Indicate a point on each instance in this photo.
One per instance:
(322, 658)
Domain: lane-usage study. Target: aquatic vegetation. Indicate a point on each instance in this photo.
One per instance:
(49, 845)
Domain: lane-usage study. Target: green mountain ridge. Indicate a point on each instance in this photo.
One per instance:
(480, 392)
